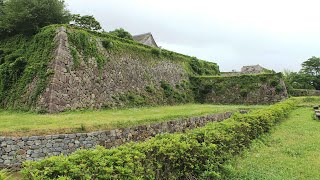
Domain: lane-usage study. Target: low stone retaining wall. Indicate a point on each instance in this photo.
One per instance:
(14, 151)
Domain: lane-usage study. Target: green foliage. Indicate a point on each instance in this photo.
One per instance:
(107, 44)
(279, 88)
(135, 49)
(24, 59)
(29, 16)
(311, 66)
(4, 175)
(235, 89)
(274, 83)
(86, 22)
(121, 33)
(69, 122)
(81, 43)
(304, 92)
(174, 95)
(201, 68)
(131, 99)
(150, 89)
(300, 81)
(197, 153)
(156, 52)
(17, 70)
(307, 78)
(291, 151)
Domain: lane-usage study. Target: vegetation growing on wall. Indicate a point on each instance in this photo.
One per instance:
(304, 92)
(153, 95)
(84, 46)
(199, 153)
(236, 89)
(200, 67)
(24, 59)
(116, 45)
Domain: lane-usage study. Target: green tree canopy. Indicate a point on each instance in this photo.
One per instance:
(311, 66)
(86, 22)
(121, 33)
(300, 80)
(28, 16)
(307, 78)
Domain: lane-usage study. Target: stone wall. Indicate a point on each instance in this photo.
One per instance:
(256, 69)
(14, 151)
(304, 92)
(86, 86)
(244, 89)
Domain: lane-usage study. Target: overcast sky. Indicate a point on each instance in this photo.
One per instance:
(277, 34)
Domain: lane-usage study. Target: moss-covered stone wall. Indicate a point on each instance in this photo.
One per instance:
(66, 68)
(243, 89)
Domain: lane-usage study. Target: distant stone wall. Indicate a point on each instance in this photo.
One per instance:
(14, 151)
(257, 69)
(244, 89)
(304, 92)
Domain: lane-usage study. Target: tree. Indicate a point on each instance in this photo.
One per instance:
(28, 16)
(307, 78)
(1, 8)
(300, 80)
(311, 66)
(121, 33)
(86, 22)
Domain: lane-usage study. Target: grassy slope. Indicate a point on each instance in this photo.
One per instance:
(18, 124)
(291, 152)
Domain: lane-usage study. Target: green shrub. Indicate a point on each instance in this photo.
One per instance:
(150, 89)
(132, 99)
(201, 68)
(243, 93)
(199, 153)
(167, 89)
(4, 175)
(274, 83)
(156, 52)
(279, 88)
(107, 44)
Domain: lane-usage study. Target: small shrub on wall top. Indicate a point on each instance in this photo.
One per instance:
(197, 153)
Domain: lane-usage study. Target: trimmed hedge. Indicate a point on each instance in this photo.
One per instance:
(197, 153)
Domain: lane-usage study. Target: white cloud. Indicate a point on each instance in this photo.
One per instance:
(278, 34)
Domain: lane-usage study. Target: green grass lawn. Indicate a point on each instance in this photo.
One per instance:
(292, 151)
(20, 124)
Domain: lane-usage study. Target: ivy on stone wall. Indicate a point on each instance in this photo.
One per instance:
(120, 46)
(82, 44)
(239, 89)
(22, 60)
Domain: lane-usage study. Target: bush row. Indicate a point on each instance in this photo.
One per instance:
(198, 153)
